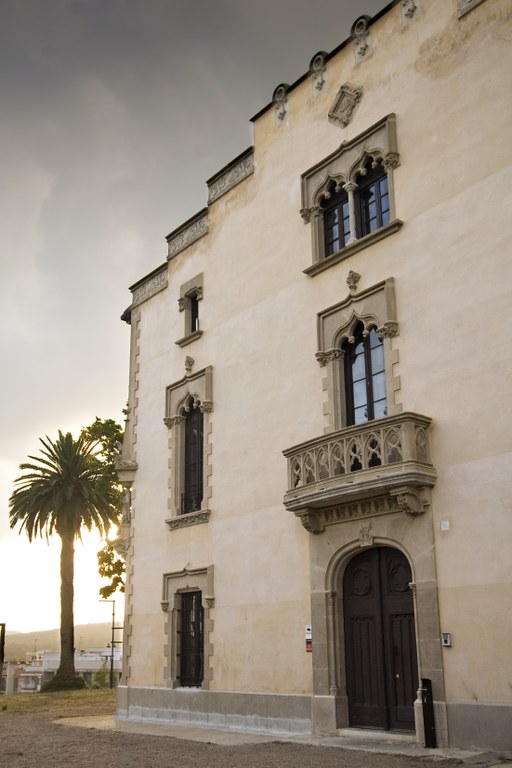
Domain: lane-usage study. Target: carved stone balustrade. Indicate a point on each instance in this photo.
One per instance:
(378, 467)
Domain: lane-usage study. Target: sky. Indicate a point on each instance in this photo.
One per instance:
(113, 113)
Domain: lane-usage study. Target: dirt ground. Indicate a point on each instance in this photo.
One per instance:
(38, 741)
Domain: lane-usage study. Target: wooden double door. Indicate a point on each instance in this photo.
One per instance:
(380, 640)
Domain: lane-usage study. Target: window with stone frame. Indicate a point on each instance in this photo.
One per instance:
(190, 636)
(187, 601)
(348, 197)
(187, 415)
(191, 293)
(356, 350)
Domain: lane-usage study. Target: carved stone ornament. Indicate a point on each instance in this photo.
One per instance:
(189, 362)
(164, 605)
(187, 234)
(171, 421)
(352, 280)
(328, 356)
(360, 33)
(388, 330)
(206, 406)
(310, 213)
(121, 546)
(409, 500)
(391, 161)
(126, 464)
(181, 303)
(347, 99)
(230, 176)
(365, 536)
(280, 100)
(209, 601)
(152, 285)
(186, 520)
(409, 8)
(317, 68)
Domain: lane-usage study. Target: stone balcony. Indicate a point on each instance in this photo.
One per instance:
(374, 468)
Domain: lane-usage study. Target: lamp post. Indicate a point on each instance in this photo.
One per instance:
(113, 640)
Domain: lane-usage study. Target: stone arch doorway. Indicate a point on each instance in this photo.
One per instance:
(380, 640)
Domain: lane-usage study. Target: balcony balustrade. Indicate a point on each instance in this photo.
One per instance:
(387, 457)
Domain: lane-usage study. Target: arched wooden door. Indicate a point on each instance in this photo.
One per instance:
(380, 640)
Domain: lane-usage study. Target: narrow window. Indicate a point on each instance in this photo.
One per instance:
(336, 220)
(373, 200)
(192, 494)
(194, 312)
(190, 633)
(365, 378)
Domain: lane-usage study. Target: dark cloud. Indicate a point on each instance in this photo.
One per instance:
(114, 114)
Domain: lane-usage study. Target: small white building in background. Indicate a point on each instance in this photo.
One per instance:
(318, 441)
(41, 666)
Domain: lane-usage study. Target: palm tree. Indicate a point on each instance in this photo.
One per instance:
(62, 492)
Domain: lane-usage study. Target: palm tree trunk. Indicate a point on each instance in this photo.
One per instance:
(66, 668)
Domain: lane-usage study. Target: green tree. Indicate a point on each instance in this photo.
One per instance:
(63, 491)
(110, 436)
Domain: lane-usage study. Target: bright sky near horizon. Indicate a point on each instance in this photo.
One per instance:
(114, 114)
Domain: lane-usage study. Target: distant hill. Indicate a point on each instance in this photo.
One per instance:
(18, 644)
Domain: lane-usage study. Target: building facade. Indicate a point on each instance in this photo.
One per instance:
(317, 457)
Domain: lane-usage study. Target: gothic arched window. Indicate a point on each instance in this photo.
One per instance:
(365, 377)
(192, 494)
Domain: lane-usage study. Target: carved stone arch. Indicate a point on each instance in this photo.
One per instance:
(346, 333)
(194, 390)
(374, 307)
(323, 192)
(378, 142)
(191, 400)
(340, 559)
(358, 168)
(414, 539)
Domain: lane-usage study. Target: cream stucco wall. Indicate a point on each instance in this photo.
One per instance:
(448, 81)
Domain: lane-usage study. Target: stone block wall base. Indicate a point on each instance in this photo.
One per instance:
(267, 713)
(484, 726)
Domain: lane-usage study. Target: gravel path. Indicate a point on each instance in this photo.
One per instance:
(37, 741)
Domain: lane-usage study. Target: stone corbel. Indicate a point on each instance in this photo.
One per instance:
(409, 8)
(361, 34)
(388, 330)
(171, 421)
(409, 500)
(310, 520)
(280, 99)
(164, 605)
(310, 213)
(327, 357)
(317, 68)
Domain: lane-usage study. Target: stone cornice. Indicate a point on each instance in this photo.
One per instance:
(231, 175)
(188, 233)
(147, 287)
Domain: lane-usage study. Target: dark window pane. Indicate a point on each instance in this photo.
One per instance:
(359, 390)
(365, 378)
(193, 488)
(336, 220)
(373, 201)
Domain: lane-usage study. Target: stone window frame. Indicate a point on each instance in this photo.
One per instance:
(176, 583)
(343, 167)
(198, 387)
(190, 291)
(374, 307)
